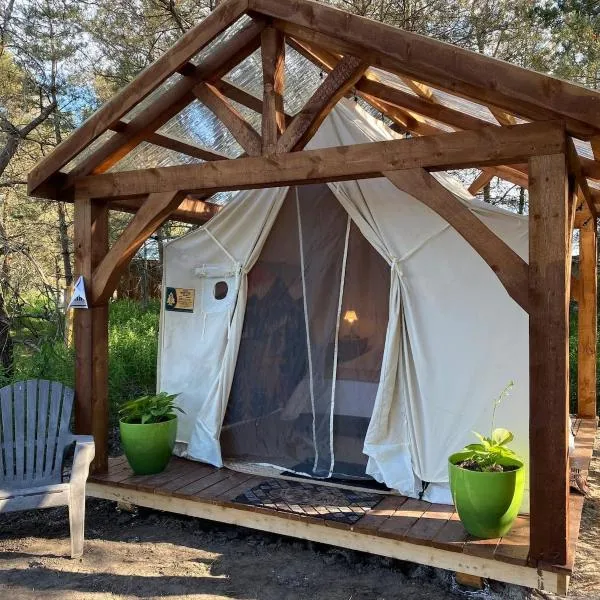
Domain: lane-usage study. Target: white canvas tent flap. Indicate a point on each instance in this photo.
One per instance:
(455, 337)
(198, 351)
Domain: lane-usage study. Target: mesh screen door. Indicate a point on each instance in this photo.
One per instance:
(310, 355)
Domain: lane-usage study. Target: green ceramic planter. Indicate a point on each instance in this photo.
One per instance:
(487, 503)
(148, 447)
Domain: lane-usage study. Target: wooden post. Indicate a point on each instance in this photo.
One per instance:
(273, 66)
(91, 331)
(587, 321)
(549, 257)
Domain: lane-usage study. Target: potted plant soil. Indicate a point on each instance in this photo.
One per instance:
(148, 426)
(487, 481)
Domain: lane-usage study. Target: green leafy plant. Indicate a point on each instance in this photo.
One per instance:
(491, 453)
(150, 409)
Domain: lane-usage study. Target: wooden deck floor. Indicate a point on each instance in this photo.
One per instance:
(396, 526)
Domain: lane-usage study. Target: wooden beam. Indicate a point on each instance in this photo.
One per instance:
(305, 124)
(503, 117)
(192, 211)
(481, 181)
(490, 146)
(587, 321)
(169, 103)
(148, 80)
(177, 145)
(509, 267)
(237, 94)
(91, 331)
(151, 215)
(241, 130)
(273, 68)
(441, 65)
(595, 143)
(575, 289)
(577, 172)
(549, 258)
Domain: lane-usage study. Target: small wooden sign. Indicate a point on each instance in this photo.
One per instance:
(180, 299)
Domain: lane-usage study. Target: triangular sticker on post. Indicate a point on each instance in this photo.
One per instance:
(78, 299)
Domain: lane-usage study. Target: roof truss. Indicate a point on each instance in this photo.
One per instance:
(345, 46)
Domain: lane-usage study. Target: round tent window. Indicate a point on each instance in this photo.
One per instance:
(220, 291)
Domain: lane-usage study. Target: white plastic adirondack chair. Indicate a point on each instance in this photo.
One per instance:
(34, 426)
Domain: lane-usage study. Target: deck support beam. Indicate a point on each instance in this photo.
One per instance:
(587, 320)
(91, 331)
(549, 277)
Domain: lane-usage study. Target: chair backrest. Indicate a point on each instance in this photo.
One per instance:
(34, 430)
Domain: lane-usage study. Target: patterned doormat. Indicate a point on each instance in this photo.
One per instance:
(329, 503)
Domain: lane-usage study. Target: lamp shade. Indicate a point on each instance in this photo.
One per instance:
(350, 316)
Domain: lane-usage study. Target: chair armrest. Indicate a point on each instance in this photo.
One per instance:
(82, 458)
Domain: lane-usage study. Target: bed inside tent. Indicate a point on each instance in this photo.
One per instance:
(342, 331)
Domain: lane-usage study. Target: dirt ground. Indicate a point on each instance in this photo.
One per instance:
(146, 554)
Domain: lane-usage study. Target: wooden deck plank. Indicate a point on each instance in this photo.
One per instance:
(234, 480)
(430, 523)
(403, 519)
(232, 493)
(193, 488)
(382, 511)
(198, 472)
(452, 536)
(514, 546)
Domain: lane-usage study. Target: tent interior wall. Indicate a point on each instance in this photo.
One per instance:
(199, 123)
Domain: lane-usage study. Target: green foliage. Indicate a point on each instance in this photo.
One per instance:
(491, 451)
(149, 409)
(133, 343)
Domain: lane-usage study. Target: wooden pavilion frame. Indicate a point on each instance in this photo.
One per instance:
(531, 144)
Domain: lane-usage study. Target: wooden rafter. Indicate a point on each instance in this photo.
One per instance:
(273, 68)
(490, 146)
(150, 216)
(304, 125)
(169, 103)
(475, 76)
(191, 210)
(481, 181)
(177, 145)
(510, 268)
(187, 46)
(394, 104)
(242, 131)
(237, 94)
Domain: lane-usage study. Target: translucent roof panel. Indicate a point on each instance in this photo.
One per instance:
(151, 98)
(584, 148)
(196, 124)
(302, 78)
(99, 141)
(248, 75)
(444, 98)
(221, 40)
(148, 156)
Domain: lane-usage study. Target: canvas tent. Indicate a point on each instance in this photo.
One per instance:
(343, 329)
